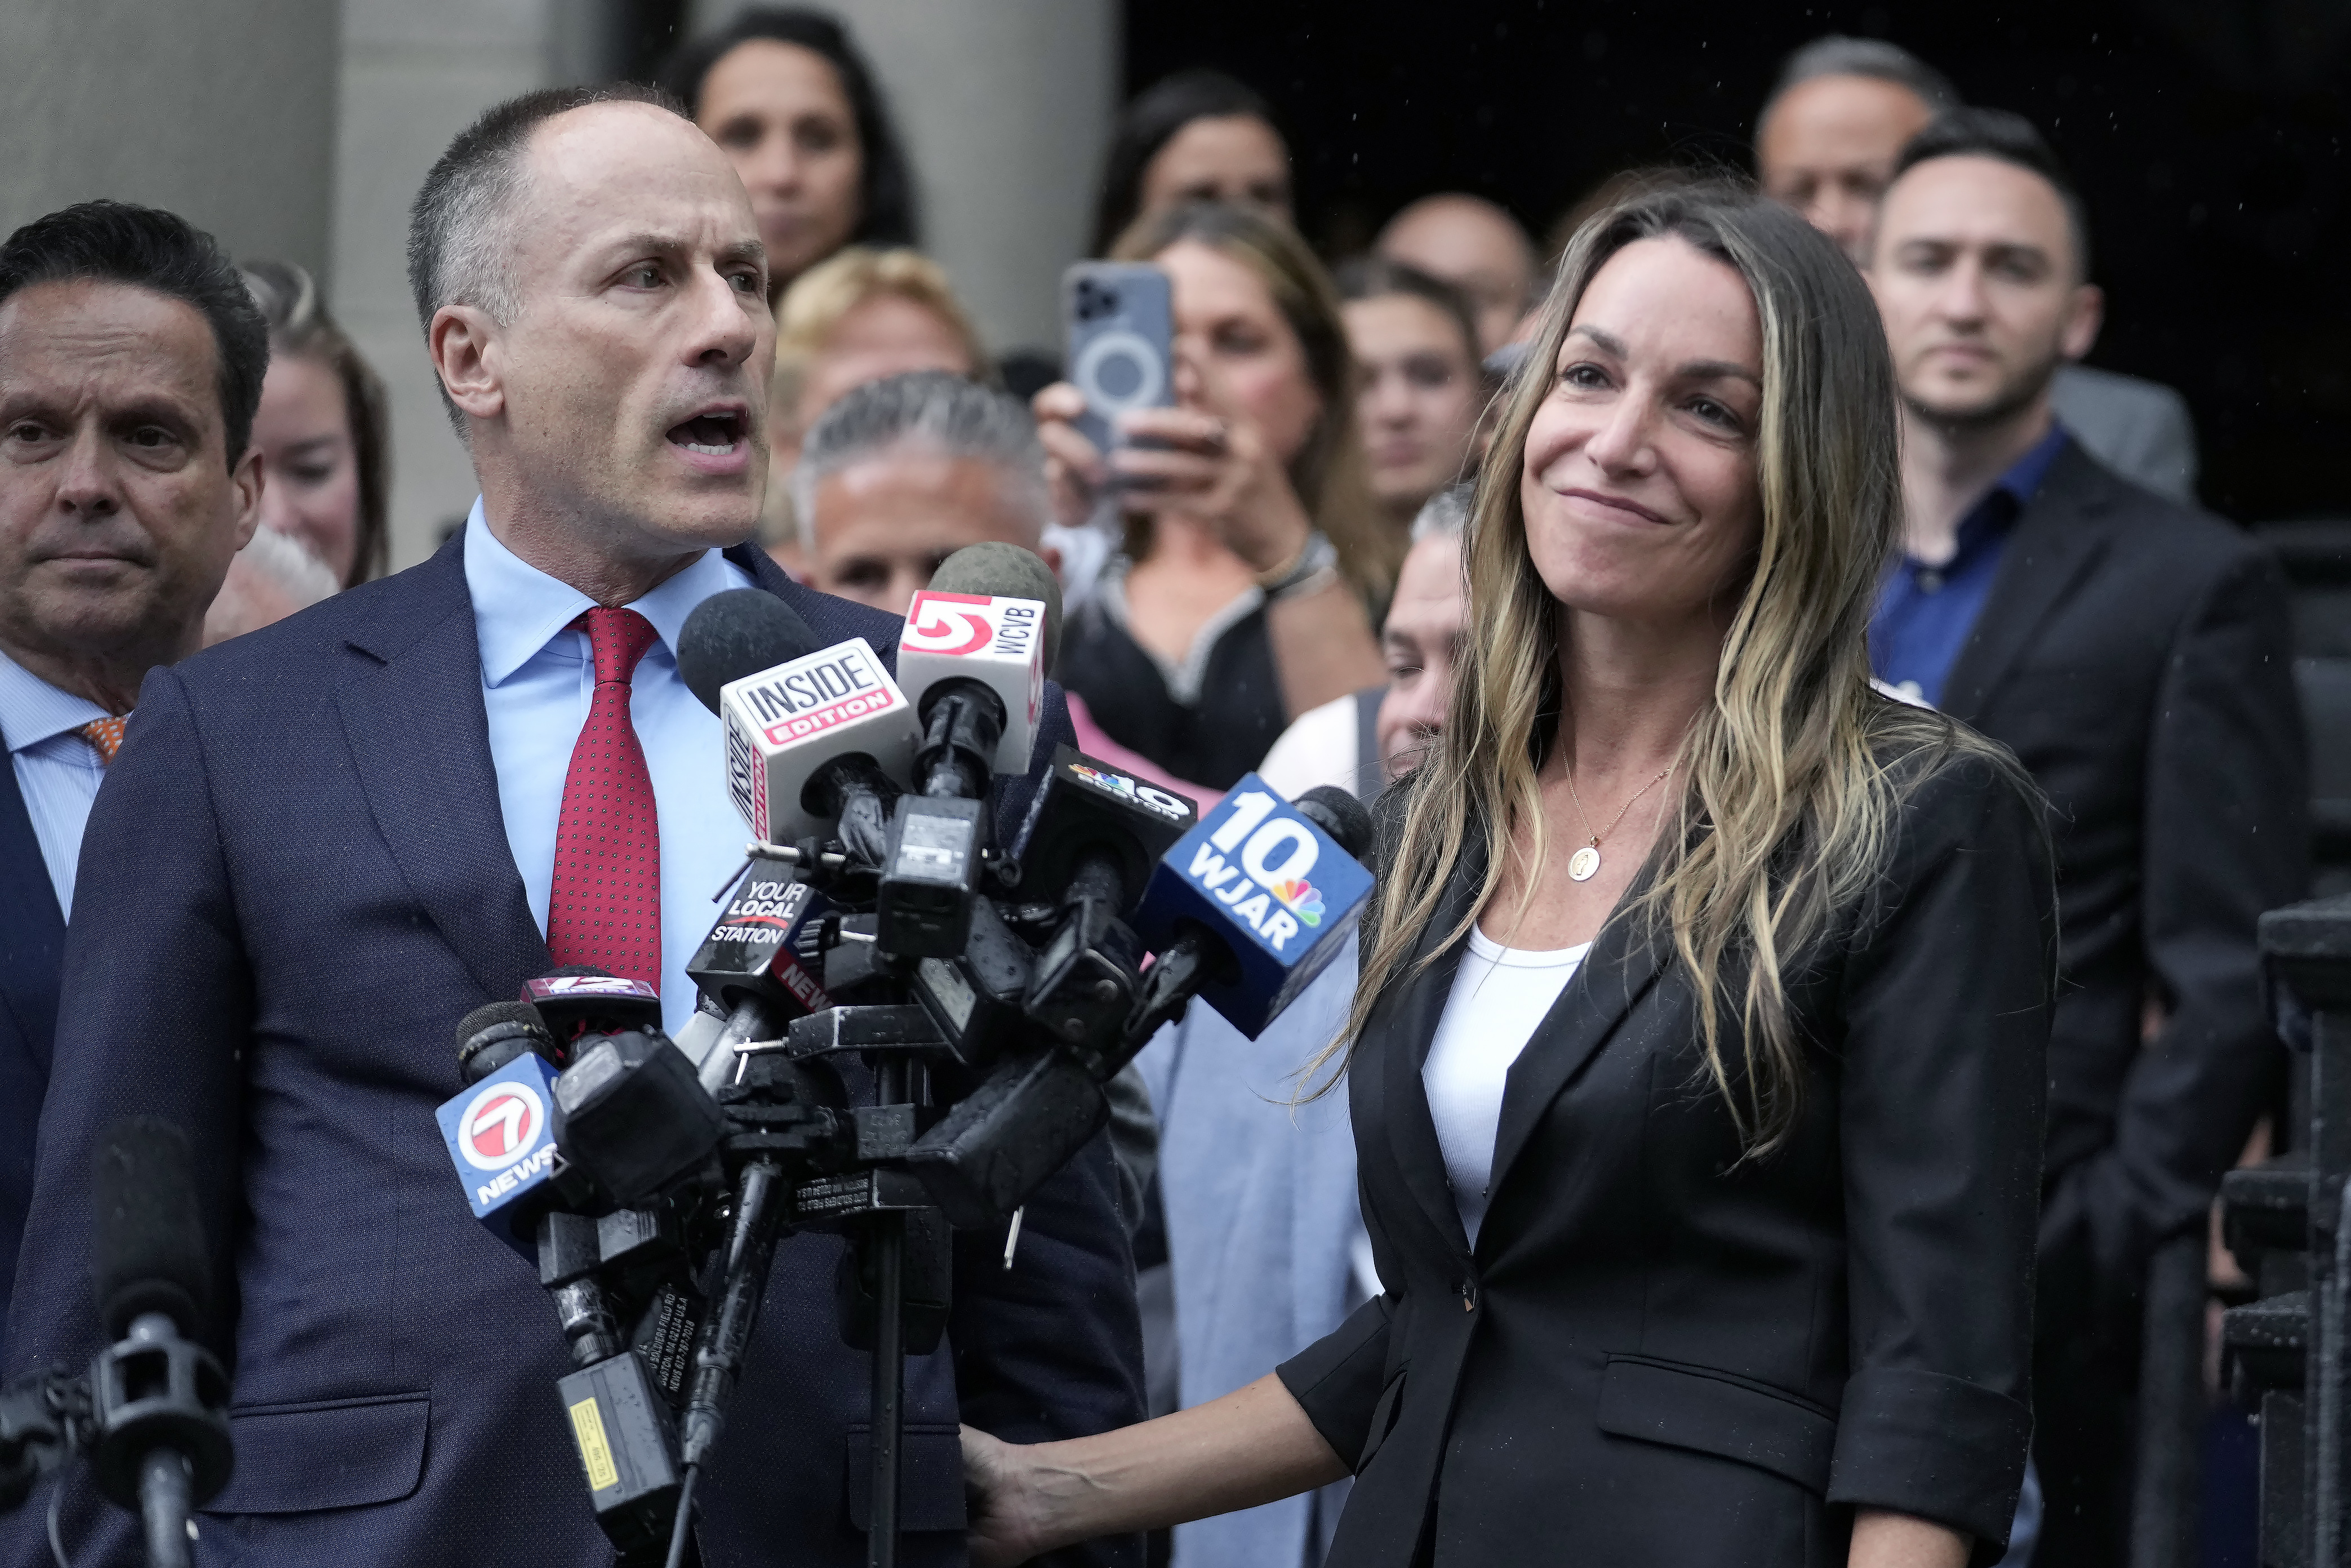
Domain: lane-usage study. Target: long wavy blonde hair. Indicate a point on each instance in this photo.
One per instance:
(1792, 772)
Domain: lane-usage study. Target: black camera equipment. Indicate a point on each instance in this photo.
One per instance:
(908, 1029)
(150, 1414)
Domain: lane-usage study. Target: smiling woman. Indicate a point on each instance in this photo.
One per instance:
(1697, 1057)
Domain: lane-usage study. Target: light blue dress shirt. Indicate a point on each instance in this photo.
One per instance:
(537, 680)
(58, 771)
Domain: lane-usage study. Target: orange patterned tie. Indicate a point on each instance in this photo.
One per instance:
(105, 737)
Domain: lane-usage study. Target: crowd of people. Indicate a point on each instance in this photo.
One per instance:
(1828, 769)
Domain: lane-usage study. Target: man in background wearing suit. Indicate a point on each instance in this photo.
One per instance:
(2134, 655)
(130, 365)
(329, 840)
(1825, 143)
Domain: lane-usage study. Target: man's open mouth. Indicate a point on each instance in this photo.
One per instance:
(713, 434)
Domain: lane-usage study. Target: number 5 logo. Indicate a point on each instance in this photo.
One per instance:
(934, 628)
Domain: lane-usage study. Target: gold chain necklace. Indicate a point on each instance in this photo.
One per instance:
(1584, 863)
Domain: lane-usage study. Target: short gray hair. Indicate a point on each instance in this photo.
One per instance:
(459, 239)
(1445, 514)
(937, 410)
(1838, 55)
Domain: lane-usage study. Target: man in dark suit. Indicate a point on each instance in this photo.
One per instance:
(130, 365)
(2134, 655)
(332, 839)
(1825, 143)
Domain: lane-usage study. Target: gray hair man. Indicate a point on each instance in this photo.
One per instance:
(1827, 142)
(904, 472)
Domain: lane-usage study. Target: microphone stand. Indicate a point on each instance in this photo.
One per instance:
(885, 1246)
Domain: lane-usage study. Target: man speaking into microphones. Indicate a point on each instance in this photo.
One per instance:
(334, 838)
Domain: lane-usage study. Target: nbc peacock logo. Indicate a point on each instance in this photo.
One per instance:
(1299, 894)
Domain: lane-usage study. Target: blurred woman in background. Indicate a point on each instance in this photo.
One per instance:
(1196, 136)
(1415, 339)
(1253, 552)
(859, 316)
(324, 434)
(785, 92)
(323, 431)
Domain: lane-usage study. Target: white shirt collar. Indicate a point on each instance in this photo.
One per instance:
(33, 711)
(518, 609)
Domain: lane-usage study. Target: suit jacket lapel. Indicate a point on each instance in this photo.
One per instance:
(1410, 1029)
(420, 738)
(32, 926)
(1613, 976)
(2053, 545)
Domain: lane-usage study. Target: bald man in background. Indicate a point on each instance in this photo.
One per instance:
(1826, 144)
(1476, 246)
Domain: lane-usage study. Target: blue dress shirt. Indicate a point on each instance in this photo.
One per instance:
(537, 680)
(58, 771)
(1926, 612)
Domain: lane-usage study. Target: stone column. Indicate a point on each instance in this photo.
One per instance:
(415, 73)
(222, 110)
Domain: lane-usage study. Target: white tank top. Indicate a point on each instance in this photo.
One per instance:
(1500, 995)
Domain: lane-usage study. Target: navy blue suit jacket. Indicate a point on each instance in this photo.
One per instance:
(295, 882)
(32, 946)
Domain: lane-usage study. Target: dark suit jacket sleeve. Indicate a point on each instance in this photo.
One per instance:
(2227, 837)
(1946, 1009)
(154, 1008)
(1338, 1380)
(1052, 1347)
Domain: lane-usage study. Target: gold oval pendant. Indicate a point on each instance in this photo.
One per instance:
(1583, 863)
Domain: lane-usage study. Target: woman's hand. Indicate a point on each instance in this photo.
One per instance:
(1075, 472)
(1217, 470)
(1205, 461)
(1005, 1512)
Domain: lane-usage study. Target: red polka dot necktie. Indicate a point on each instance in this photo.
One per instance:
(604, 907)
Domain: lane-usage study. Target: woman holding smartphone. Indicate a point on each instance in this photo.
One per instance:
(1252, 552)
(1695, 1065)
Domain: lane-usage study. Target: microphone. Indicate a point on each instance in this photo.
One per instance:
(972, 655)
(737, 634)
(495, 1033)
(991, 617)
(762, 964)
(1235, 919)
(1231, 910)
(159, 1400)
(581, 999)
(1090, 841)
(500, 1129)
(993, 569)
(814, 736)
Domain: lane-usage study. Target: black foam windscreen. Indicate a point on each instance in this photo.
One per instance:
(737, 634)
(148, 1255)
(1339, 814)
(493, 1022)
(1006, 571)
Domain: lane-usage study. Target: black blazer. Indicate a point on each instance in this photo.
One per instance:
(32, 946)
(2135, 656)
(294, 882)
(1657, 1355)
